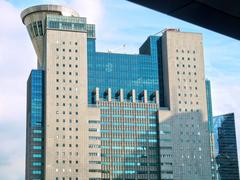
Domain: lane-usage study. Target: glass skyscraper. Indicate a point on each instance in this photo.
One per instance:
(95, 115)
(226, 147)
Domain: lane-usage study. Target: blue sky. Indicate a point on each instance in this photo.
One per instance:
(118, 22)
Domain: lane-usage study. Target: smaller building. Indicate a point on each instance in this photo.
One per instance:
(226, 147)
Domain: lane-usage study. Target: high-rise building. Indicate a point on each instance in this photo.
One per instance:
(210, 127)
(95, 115)
(226, 147)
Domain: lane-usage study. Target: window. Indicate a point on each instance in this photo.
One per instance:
(36, 172)
(57, 49)
(76, 43)
(76, 50)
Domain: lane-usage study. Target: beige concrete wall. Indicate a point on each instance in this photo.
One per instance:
(66, 102)
(185, 94)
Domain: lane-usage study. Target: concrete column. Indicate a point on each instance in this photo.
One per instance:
(97, 94)
(157, 97)
(145, 96)
(121, 95)
(109, 94)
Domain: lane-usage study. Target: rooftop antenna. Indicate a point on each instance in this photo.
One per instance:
(123, 46)
(166, 29)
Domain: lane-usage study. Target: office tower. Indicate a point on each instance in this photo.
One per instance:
(116, 116)
(210, 127)
(226, 147)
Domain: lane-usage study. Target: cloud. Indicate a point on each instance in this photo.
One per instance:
(93, 10)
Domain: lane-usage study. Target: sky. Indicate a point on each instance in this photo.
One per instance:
(117, 22)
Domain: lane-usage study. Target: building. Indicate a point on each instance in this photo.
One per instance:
(210, 127)
(114, 116)
(226, 147)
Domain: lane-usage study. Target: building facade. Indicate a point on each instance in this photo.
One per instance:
(114, 116)
(226, 147)
(210, 127)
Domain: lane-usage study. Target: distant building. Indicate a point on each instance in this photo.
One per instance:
(94, 115)
(226, 147)
(210, 127)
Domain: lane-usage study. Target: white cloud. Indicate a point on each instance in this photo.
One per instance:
(92, 9)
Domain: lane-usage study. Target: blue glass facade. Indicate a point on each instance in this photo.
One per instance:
(115, 71)
(210, 127)
(35, 125)
(226, 147)
(209, 104)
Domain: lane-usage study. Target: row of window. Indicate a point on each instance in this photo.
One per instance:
(189, 66)
(187, 110)
(122, 139)
(70, 42)
(129, 108)
(185, 80)
(131, 155)
(188, 51)
(70, 129)
(185, 95)
(70, 121)
(140, 148)
(69, 50)
(70, 81)
(69, 73)
(69, 65)
(128, 124)
(128, 116)
(185, 102)
(64, 57)
(189, 73)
